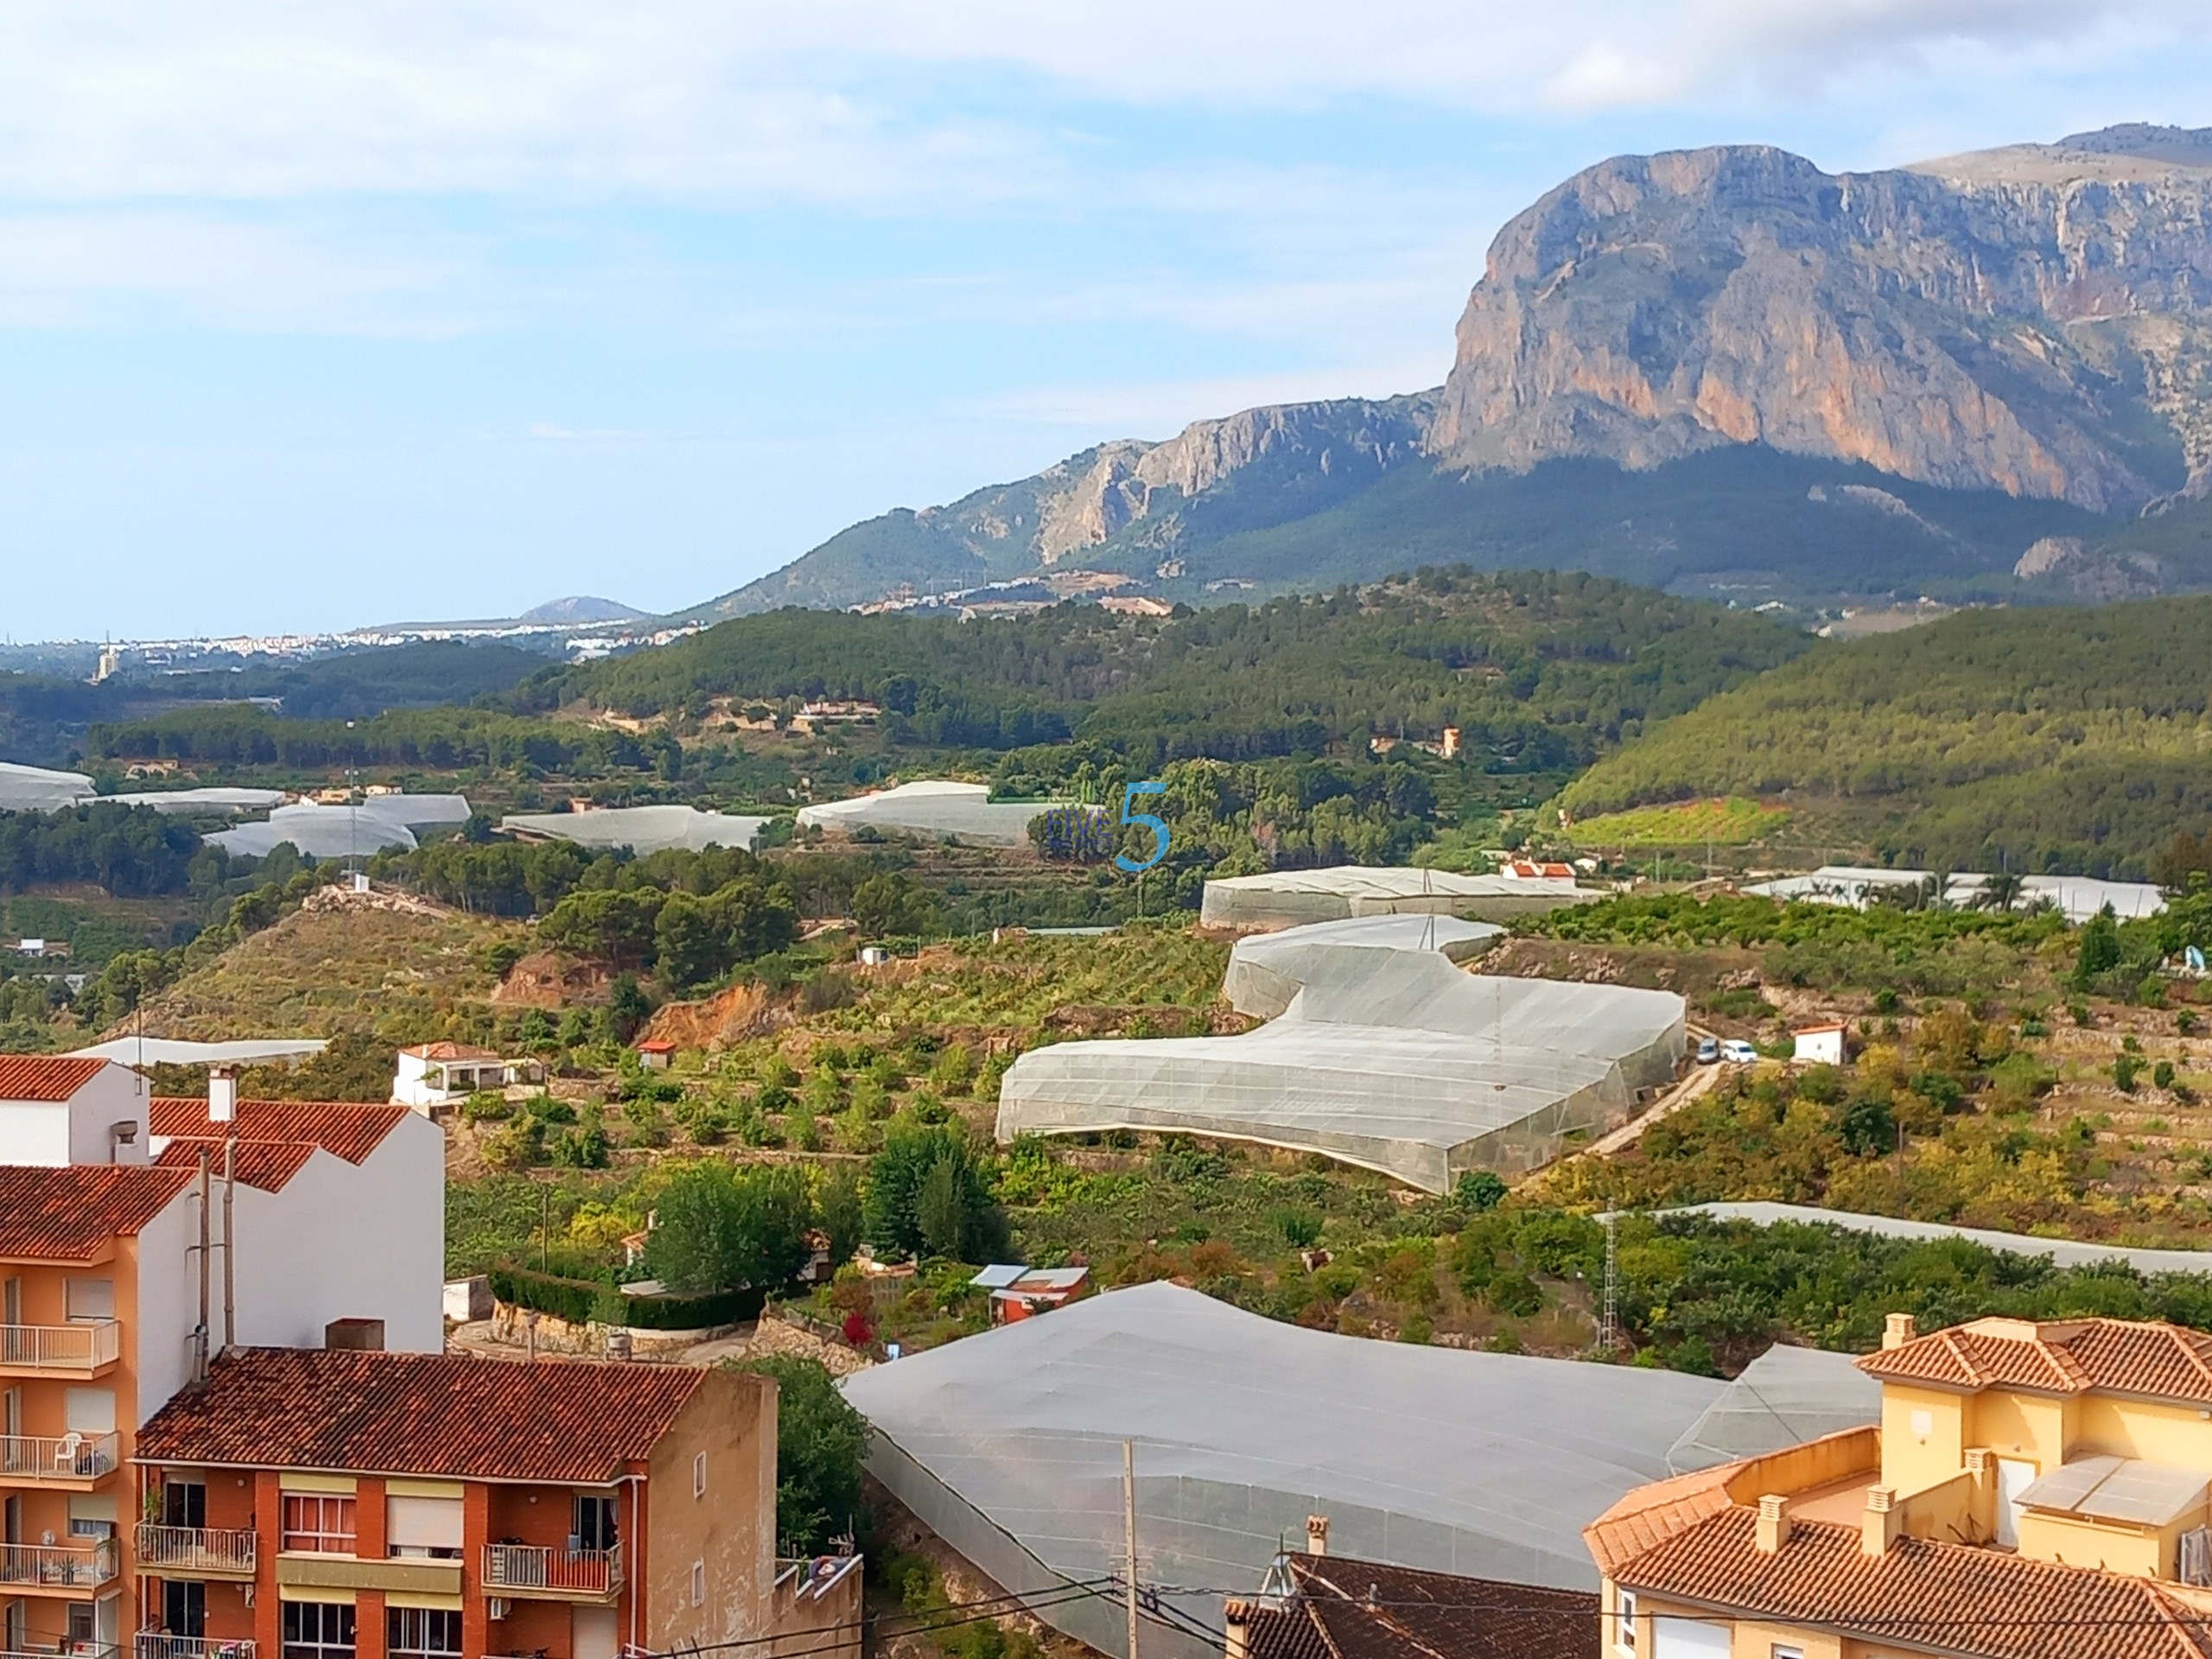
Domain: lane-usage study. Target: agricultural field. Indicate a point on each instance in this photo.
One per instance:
(1722, 820)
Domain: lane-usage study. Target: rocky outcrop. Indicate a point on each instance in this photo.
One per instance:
(2033, 321)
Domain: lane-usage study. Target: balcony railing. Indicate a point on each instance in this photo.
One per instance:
(59, 1566)
(194, 1550)
(160, 1645)
(67, 1458)
(526, 1567)
(77, 1349)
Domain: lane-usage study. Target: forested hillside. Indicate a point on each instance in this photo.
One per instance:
(1545, 670)
(2071, 739)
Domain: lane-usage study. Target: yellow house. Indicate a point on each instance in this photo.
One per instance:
(2035, 1490)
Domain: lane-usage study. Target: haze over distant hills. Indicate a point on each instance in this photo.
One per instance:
(1721, 371)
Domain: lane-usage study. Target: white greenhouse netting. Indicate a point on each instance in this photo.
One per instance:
(1009, 1445)
(1391, 1059)
(641, 830)
(2076, 897)
(367, 826)
(2063, 1252)
(1784, 1398)
(34, 789)
(932, 811)
(170, 1051)
(1292, 898)
(1267, 970)
(215, 799)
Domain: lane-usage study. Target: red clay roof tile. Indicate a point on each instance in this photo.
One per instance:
(351, 1129)
(267, 1165)
(45, 1076)
(68, 1214)
(1921, 1595)
(434, 1414)
(2067, 1357)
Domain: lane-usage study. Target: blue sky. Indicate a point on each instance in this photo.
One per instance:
(315, 317)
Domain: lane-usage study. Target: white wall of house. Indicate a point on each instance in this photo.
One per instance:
(78, 1131)
(346, 1241)
(1819, 1047)
(168, 1300)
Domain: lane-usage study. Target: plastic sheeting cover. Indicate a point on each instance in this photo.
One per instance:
(2076, 897)
(368, 826)
(34, 789)
(171, 1051)
(1392, 1059)
(1784, 1398)
(1266, 969)
(1009, 1445)
(1293, 898)
(935, 808)
(2065, 1253)
(212, 799)
(642, 829)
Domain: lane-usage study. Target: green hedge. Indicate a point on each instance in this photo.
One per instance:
(573, 1300)
(688, 1312)
(583, 1301)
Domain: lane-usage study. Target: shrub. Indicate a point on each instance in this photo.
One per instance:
(485, 1106)
(2124, 1068)
(2162, 1074)
(581, 1146)
(821, 1442)
(1479, 1190)
(722, 1228)
(573, 1300)
(1513, 1293)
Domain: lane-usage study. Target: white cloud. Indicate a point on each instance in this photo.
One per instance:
(841, 101)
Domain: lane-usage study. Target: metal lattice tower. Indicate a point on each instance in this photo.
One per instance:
(1609, 1324)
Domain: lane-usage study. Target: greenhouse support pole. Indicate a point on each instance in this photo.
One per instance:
(1129, 1535)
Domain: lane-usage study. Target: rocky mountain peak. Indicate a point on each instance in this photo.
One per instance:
(1999, 321)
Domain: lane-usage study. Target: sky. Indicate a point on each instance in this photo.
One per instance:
(314, 316)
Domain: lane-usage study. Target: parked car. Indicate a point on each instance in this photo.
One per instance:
(1708, 1050)
(1737, 1051)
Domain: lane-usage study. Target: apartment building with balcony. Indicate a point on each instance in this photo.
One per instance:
(2033, 1491)
(328, 1214)
(330, 1504)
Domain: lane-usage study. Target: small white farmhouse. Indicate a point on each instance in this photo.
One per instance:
(1821, 1045)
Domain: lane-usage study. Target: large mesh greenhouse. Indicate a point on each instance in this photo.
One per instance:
(1391, 1058)
(1267, 970)
(640, 829)
(35, 789)
(364, 827)
(1292, 898)
(1009, 1445)
(932, 811)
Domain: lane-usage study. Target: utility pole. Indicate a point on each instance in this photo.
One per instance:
(199, 1336)
(1129, 1535)
(230, 1279)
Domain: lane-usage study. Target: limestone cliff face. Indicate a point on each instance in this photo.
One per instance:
(2037, 319)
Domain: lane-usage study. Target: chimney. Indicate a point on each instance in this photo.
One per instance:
(364, 1336)
(1236, 1629)
(1774, 1524)
(1882, 1523)
(1317, 1535)
(1897, 1330)
(222, 1093)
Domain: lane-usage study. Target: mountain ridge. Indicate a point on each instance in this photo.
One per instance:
(2031, 323)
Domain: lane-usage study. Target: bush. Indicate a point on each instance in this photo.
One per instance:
(2162, 1074)
(721, 1228)
(682, 1313)
(1479, 1190)
(2124, 1068)
(573, 1300)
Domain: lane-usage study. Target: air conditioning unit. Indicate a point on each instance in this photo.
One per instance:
(495, 1607)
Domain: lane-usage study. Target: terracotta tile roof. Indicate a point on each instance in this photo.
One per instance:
(68, 1214)
(450, 1052)
(435, 1414)
(351, 1129)
(2069, 1356)
(45, 1076)
(1944, 1597)
(1651, 1514)
(1417, 1615)
(268, 1165)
